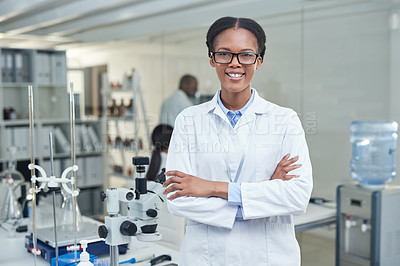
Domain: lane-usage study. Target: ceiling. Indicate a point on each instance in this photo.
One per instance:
(64, 24)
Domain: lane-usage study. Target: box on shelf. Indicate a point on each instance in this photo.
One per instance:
(17, 142)
(45, 140)
(61, 141)
(43, 69)
(58, 68)
(16, 66)
(94, 171)
(95, 140)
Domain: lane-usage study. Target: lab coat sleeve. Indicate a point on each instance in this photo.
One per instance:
(181, 156)
(278, 197)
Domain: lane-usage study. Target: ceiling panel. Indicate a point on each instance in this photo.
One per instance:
(67, 23)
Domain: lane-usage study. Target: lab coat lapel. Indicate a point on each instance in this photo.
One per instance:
(214, 109)
(259, 106)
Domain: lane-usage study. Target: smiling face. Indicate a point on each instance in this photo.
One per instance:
(235, 77)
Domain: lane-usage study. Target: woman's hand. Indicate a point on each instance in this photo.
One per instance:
(285, 166)
(188, 185)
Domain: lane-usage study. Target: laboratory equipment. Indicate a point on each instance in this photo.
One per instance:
(143, 205)
(34, 250)
(48, 252)
(52, 182)
(68, 259)
(374, 152)
(10, 209)
(67, 209)
(137, 259)
(160, 259)
(367, 226)
(84, 256)
(11, 212)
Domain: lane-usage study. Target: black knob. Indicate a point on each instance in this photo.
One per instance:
(151, 213)
(128, 228)
(102, 231)
(103, 196)
(137, 194)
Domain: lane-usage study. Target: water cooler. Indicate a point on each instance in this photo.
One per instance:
(368, 226)
(368, 213)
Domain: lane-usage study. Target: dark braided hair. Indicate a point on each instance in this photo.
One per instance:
(160, 137)
(225, 23)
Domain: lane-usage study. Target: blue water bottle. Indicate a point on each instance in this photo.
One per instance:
(373, 163)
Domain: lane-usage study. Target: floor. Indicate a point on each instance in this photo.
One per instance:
(317, 247)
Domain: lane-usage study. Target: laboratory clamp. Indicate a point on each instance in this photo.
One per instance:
(131, 212)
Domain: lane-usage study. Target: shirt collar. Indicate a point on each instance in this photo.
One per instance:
(237, 112)
(259, 106)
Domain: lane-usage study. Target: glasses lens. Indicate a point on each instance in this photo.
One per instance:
(247, 58)
(221, 57)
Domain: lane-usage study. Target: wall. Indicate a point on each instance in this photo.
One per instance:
(331, 70)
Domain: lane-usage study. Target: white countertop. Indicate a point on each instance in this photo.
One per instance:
(316, 215)
(14, 253)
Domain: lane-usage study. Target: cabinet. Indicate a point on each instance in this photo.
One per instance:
(46, 71)
(126, 125)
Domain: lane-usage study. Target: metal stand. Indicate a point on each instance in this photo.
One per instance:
(114, 255)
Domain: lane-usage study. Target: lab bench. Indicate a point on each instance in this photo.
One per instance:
(317, 215)
(13, 251)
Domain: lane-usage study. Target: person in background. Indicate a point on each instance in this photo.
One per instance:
(224, 167)
(171, 227)
(160, 138)
(179, 100)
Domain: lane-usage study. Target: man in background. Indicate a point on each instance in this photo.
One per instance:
(179, 100)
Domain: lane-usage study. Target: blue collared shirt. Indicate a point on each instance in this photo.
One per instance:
(234, 189)
(234, 116)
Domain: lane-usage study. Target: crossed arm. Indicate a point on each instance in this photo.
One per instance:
(188, 185)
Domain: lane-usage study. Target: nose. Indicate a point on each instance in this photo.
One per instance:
(235, 60)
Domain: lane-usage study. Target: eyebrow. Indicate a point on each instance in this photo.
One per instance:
(243, 50)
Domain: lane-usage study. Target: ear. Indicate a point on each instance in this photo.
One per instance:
(212, 62)
(258, 62)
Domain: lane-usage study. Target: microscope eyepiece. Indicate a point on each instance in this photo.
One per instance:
(129, 196)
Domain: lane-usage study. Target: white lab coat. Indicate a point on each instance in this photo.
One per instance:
(170, 226)
(266, 234)
(172, 106)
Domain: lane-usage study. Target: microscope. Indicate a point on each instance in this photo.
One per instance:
(143, 205)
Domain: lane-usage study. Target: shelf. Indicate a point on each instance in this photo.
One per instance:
(17, 122)
(127, 118)
(120, 175)
(46, 71)
(17, 85)
(128, 90)
(62, 121)
(55, 121)
(78, 154)
(117, 149)
(88, 121)
(52, 86)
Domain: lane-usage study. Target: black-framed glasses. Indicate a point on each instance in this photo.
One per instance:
(245, 58)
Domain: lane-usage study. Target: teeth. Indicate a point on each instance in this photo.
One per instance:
(234, 75)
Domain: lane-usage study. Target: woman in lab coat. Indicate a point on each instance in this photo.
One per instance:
(221, 169)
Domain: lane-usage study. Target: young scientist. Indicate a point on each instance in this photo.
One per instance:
(226, 176)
